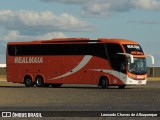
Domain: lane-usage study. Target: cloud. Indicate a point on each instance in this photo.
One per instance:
(104, 8)
(16, 36)
(32, 22)
(95, 10)
(147, 4)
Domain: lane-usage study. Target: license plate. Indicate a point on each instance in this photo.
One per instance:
(139, 82)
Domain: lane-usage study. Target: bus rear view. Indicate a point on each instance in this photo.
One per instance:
(103, 62)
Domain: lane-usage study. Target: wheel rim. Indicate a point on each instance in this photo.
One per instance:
(39, 81)
(104, 83)
(28, 82)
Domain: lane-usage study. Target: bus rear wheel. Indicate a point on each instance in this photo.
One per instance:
(28, 81)
(39, 81)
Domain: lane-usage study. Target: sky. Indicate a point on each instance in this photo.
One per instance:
(26, 20)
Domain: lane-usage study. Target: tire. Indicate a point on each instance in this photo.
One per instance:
(104, 83)
(121, 86)
(28, 81)
(39, 81)
(56, 85)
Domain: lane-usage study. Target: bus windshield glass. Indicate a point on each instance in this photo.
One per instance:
(138, 67)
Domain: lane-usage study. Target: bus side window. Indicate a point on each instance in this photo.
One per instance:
(12, 50)
(115, 59)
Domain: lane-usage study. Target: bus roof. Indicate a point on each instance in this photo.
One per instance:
(76, 41)
(116, 40)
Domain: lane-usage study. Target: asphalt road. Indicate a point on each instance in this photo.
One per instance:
(16, 97)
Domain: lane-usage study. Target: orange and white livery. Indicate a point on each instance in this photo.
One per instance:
(104, 62)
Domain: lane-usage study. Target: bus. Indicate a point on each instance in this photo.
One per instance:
(102, 62)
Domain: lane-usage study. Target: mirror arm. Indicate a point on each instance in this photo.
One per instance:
(152, 58)
(128, 55)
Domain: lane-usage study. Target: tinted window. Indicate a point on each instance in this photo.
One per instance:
(115, 59)
(58, 49)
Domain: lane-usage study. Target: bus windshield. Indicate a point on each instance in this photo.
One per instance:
(138, 67)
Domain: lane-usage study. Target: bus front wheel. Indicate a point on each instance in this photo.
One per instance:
(104, 83)
(28, 81)
(39, 81)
